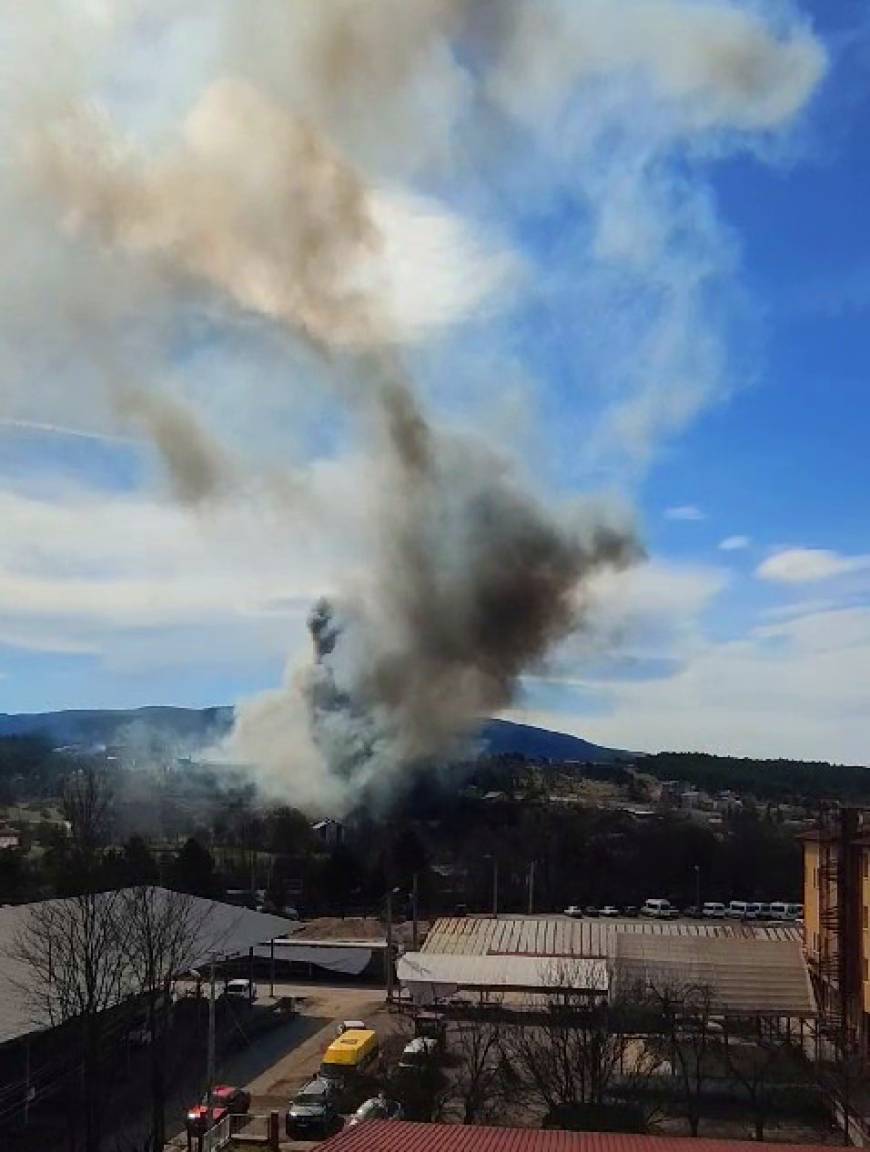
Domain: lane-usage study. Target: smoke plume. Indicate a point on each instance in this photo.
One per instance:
(286, 196)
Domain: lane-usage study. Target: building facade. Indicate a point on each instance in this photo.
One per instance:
(837, 922)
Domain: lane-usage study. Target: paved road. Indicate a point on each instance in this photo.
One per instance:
(276, 1064)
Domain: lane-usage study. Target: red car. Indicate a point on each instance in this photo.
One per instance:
(226, 1100)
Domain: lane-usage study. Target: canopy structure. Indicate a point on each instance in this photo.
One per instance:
(749, 969)
(560, 936)
(743, 978)
(430, 976)
(347, 957)
(219, 932)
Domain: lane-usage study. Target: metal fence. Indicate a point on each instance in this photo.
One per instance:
(217, 1137)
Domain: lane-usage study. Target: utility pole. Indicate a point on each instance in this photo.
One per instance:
(389, 945)
(211, 1042)
(532, 888)
(495, 887)
(698, 888)
(28, 1092)
(415, 931)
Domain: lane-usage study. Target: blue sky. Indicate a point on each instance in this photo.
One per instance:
(645, 285)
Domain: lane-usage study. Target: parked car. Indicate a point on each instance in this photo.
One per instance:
(377, 1108)
(313, 1111)
(630, 910)
(713, 910)
(575, 912)
(432, 1025)
(759, 911)
(738, 910)
(420, 1052)
(692, 912)
(659, 909)
(610, 910)
(241, 990)
(590, 910)
(781, 910)
(226, 1100)
(350, 1026)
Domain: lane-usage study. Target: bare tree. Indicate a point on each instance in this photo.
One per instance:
(687, 1024)
(840, 1071)
(570, 1050)
(87, 806)
(477, 1082)
(164, 934)
(757, 1055)
(73, 953)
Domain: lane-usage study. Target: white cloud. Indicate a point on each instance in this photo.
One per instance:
(136, 581)
(649, 613)
(734, 543)
(685, 512)
(795, 690)
(807, 565)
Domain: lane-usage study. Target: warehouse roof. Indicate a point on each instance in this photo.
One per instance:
(560, 936)
(519, 973)
(402, 1136)
(222, 930)
(754, 977)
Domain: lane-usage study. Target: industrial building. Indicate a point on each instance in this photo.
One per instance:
(35, 1057)
(750, 969)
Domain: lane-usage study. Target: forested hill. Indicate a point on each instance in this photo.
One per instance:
(766, 779)
(190, 729)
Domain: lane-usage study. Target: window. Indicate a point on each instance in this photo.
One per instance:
(815, 877)
(815, 941)
(866, 971)
(866, 860)
(866, 917)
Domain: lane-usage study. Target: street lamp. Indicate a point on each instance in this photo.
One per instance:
(391, 892)
(494, 860)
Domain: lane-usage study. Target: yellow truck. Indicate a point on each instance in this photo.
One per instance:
(353, 1052)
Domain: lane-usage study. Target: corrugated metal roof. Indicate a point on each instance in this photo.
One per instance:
(223, 930)
(518, 972)
(403, 1136)
(561, 936)
(757, 977)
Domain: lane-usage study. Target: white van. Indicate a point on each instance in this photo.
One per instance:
(738, 910)
(659, 910)
(781, 910)
(712, 910)
(759, 911)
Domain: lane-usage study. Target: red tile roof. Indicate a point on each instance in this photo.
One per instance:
(402, 1136)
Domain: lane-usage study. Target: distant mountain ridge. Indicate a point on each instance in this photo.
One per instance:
(198, 726)
(111, 726)
(504, 737)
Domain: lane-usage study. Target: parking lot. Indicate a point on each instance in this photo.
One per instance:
(276, 1064)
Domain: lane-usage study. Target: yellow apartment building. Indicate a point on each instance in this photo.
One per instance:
(837, 922)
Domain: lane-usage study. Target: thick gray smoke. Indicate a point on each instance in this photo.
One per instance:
(197, 467)
(473, 584)
(281, 198)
